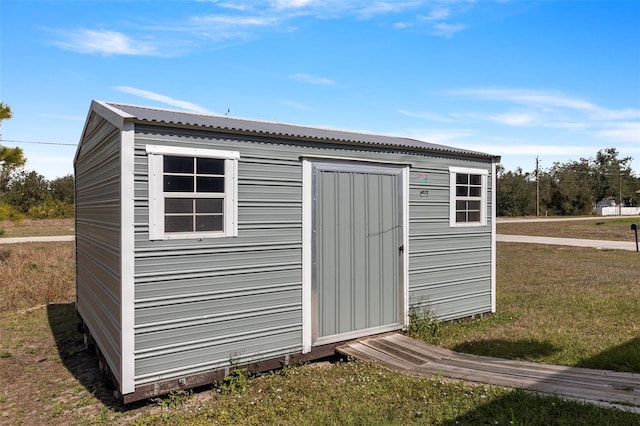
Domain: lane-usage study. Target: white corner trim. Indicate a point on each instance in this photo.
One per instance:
(307, 253)
(405, 241)
(493, 237)
(127, 259)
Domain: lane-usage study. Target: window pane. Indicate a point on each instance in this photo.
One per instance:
(174, 164)
(178, 183)
(210, 166)
(461, 205)
(474, 205)
(209, 205)
(462, 191)
(461, 217)
(210, 184)
(209, 223)
(474, 216)
(475, 179)
(475, 191)
(462, 178)
(178, 224)
(178, 205)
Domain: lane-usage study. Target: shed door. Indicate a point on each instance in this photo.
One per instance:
(357, 231)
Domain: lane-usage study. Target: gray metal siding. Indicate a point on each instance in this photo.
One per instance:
(98, 292)
(205, 304)
(202, 305)
(449, 268)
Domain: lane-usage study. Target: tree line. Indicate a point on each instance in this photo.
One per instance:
(27, 193)
(567, 189)
(571, 188)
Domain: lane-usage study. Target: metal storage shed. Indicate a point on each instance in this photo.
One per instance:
(204, 242)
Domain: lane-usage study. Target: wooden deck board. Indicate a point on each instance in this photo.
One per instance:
(400, 352)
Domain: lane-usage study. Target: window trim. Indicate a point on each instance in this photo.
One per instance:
(453, 171)
(155, 156)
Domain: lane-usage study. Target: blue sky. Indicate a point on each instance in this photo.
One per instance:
(554, 79)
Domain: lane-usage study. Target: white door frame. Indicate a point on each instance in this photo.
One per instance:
(307, 241)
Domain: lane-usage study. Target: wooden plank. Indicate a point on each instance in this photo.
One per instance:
(414, 357)
(403, 353)
(623, 379)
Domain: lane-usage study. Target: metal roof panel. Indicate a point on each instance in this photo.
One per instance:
(238, 125)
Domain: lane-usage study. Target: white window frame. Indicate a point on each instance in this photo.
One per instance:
(453, 171)
(155, 154)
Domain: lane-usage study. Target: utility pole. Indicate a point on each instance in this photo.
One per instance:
(537, 188)
(619, 190)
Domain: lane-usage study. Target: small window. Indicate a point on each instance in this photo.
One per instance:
(192, 193)
(468, 199)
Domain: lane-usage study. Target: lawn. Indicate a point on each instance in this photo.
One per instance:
(598, 228)
(566, 305)
(558, 305)
(36, 228)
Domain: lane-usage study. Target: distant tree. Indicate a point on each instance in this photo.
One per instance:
(5, 111)
(569, 189)
(62, 189)
(612, 177)
(26, 190)
(10, 158)
(516, 193)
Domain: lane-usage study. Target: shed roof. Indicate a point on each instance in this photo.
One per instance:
(236, 125)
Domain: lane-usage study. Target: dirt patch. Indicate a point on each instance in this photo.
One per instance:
(49, 377)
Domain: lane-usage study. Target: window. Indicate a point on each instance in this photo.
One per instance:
(468, 197)
(192, 193)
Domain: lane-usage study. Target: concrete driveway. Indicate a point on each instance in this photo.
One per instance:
(51, 239)
(575, 242)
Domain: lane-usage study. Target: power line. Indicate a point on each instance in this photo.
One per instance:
(38, 142)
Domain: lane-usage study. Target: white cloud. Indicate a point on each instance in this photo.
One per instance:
(104, 42)
(296, 105)
(161, 98)
(447, 30)
(291, 4)
(623, 114)
(62, 117)
(312, 79)
(513, 118)
(533, 150)
(234, 21)
(437, 14)
(439, 136)
(243, 19)
(426, 116)
(621, 132)
(526, 97)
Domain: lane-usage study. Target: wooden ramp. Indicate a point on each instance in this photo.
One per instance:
(399, 352)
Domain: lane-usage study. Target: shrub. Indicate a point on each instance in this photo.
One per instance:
(9, 213)
(51, 209)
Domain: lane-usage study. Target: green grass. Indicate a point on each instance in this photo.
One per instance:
(558, 305)
(603, 228)
(555, 304)
(36, 228)
(359, 393)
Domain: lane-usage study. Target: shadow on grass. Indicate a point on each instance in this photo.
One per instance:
(520, 349)
(521, 407)
(625, 357)
(83, 364)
